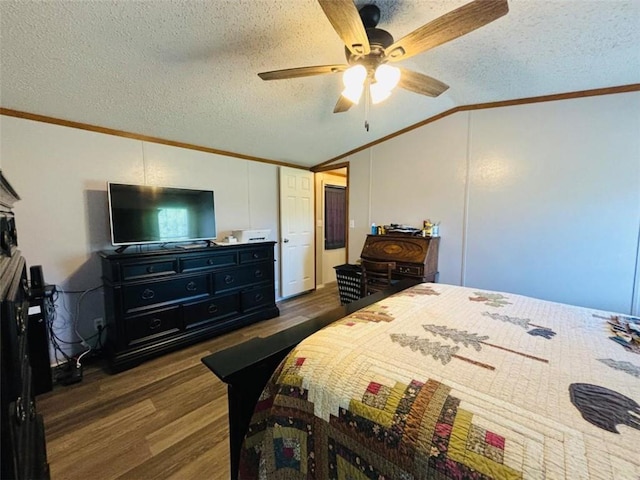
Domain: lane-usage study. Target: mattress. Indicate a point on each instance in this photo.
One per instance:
(448, 382)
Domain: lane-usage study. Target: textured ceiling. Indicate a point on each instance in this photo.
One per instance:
(186, 70)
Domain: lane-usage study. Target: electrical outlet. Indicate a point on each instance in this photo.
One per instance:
(98, 323)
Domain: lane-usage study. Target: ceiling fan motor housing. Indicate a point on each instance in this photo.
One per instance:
(370, 16)
(378, 40)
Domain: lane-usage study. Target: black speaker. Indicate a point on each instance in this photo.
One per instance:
(38, 344)
(38, 337)
(37, 281)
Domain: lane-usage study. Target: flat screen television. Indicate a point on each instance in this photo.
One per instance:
(141, 214)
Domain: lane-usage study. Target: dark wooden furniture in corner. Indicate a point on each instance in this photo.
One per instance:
(415, 257)
(376, 276)
(23, 448)
(161, 300)
(247, 367)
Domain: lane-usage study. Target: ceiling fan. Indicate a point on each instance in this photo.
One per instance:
(369, 49)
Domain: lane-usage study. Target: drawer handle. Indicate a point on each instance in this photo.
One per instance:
(258, 297)
(149, 269)
(213, 308)
(228, 279)
(155, 324)
(210, 261)
(20, 321)
(148, 294)
(21, 414)
(32, 409)
(258, 273)
(256, 255)
(192, 287)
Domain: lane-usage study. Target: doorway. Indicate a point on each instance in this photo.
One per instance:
(331, 185)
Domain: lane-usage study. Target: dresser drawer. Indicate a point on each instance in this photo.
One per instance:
(142, 296)
(256, 254)
(257, 297)
(149, 269)
(203, 312)
(410, 270)
(152, 326)
(243, 277)
(207, 262)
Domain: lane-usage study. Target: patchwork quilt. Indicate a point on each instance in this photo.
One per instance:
(445, 382)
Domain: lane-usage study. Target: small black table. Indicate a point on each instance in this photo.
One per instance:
(247, 367)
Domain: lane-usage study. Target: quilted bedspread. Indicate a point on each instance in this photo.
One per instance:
(449, 382)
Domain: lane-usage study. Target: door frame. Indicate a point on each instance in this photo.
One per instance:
(319, 248)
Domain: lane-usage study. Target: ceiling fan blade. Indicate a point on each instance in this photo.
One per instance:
(451, 25)
(302, 72)
(342, 105)
(346, 21)
(420, 83)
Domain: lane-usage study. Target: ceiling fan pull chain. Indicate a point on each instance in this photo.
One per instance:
(367, 102)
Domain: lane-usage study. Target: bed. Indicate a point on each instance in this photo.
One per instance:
(446, 382)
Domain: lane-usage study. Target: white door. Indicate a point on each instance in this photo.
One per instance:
(296, 230)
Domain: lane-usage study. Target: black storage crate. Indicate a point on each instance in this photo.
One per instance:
(349, 282)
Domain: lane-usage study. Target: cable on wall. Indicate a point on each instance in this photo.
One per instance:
(635, 289)
(77, 321)
(50, 317)
(370, 185)
(68, 372)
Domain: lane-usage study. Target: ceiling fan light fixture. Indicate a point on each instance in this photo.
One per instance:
(387, 76)
(353, 79)
(354, 76)
(379, 92)
(353, 93)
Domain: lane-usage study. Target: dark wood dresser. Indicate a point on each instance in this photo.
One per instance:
(164, 299)
(23, 440)
(415, 257)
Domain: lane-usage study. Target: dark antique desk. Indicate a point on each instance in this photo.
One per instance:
(415, 257)
(247, 367)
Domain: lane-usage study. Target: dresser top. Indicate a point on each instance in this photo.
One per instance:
(152, 251)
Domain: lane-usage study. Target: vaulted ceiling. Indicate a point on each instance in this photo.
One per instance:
(186, 70)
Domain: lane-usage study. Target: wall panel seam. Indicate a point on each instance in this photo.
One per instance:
(465, 208)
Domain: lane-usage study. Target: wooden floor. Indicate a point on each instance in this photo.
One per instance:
(166, 418)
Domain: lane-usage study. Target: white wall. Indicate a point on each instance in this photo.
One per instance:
(359, 202)
(405, 188)
(61, 174)
(560, 190)
(540, 199)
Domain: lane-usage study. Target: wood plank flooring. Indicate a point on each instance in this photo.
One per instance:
(165, 419)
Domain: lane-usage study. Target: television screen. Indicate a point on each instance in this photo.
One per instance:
(147, 214)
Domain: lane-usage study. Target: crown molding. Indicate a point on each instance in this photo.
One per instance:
(319, 167)
(481, 106)
(136, 136)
